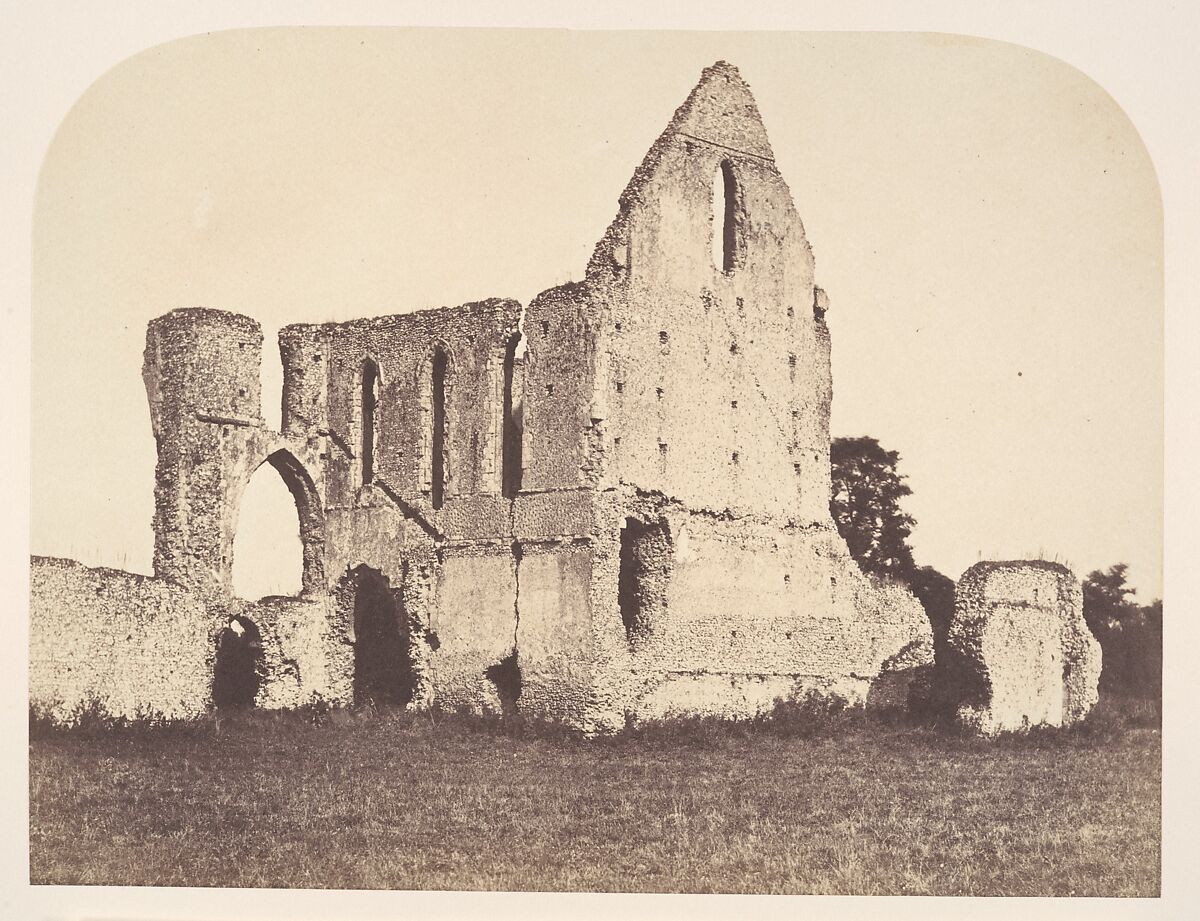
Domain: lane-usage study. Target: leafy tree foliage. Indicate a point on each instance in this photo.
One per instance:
(865, 503)
(1130, 634)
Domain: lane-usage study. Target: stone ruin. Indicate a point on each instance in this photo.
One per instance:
(611, 504)
(1019, 653)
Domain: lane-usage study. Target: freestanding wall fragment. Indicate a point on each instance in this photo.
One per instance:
(1019, 651)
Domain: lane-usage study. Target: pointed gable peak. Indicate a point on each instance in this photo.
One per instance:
(720, 115)
(721, 110)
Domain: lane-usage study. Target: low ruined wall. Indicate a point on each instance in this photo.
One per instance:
(127, 645)
(1019, 651)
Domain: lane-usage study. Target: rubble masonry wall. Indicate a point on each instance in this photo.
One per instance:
(1020, 653)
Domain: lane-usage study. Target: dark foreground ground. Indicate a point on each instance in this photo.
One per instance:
(845, 805)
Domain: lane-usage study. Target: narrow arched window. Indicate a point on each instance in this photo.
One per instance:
(725, 218)
(370, 407)
(510, 478)
(439, 440)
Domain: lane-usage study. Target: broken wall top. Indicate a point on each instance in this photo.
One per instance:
(694, 359)
(719, 110)
(324, 368)
(1025, 582)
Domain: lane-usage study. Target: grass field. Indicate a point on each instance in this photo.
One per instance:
(847, 805)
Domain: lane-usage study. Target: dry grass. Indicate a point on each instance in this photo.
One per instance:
(847, 806)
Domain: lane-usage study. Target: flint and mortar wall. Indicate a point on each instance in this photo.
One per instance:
(134, 646)
(201, 375)
(738, 615)
(693, 395)
(130, 645)
(665, 371)
(689, 395)
(305, 658)
(323, 369)
(455, 561)
(1020, 653)
(201, 372)
(476, 625)
(554, 637)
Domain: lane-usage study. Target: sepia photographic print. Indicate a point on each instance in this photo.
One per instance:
(597, 462)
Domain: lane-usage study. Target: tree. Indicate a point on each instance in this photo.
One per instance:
(865, 503)
(1130, 634)
(1146, 652)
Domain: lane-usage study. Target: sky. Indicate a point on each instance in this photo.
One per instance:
(985, 219)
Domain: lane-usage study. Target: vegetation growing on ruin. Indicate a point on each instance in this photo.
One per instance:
(819, 800)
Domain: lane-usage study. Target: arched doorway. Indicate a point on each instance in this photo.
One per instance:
(238, 666)
(383, 672)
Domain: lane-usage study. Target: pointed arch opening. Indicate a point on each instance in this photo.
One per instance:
(725, 218)
(369, 406)
(268, 554)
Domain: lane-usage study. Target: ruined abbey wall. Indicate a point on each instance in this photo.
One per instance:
(129, 645)
(687, 382)
(667, 371)
(614, 505)
(723, 360)
(201, 371)
(445, 548)
(732, 616)
(323, 386)
(304, 656)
